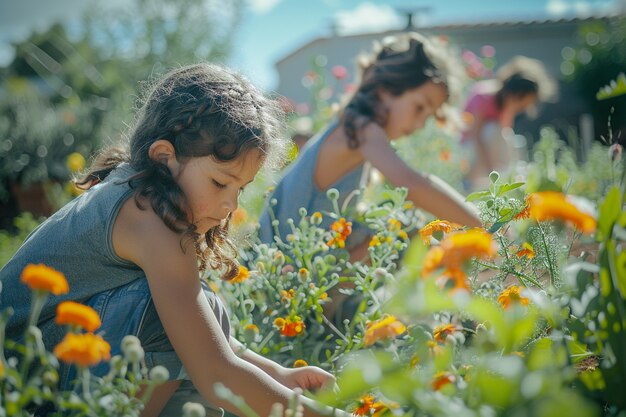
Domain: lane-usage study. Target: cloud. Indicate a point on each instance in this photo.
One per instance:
(368, 17)
(557, 7)
(262, 6)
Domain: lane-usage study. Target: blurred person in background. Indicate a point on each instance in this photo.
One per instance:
(491, 109)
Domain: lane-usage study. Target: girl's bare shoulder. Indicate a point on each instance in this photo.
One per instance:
(139, 234)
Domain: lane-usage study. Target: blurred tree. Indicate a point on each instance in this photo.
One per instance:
(72, 88)
(598, 59)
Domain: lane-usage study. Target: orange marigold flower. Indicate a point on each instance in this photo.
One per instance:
(525, 213)
(76, 314)
(83, 350)
(242, 275)
(290, 326)
(342, 229)
(527, 251)
(45, 278)
(462, 246)
(441, 332)
(432, 260)
(300, 363)
(512, 296)
(437, 226)
(365, 406)
(552, 205)
(442, 378)
(383, 328)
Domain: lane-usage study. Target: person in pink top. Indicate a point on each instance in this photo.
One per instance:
(491, 108)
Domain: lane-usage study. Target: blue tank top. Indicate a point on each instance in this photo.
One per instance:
(296, 189)
(77, 241)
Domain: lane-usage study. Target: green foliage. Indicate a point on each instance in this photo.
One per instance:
(11, 241)
(75, 93)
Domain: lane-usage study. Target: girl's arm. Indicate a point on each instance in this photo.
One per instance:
(142, 237)
(307, 378)
(428, 192)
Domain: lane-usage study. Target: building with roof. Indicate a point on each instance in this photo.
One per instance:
(544, 40)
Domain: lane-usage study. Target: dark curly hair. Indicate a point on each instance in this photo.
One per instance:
(202, 109)
(397, 64)
(521, 76)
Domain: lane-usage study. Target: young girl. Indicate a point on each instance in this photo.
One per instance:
(403, 82)
(131, 246)
(492, 106)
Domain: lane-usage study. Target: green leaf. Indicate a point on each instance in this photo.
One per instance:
(505, 188)
(609, 211)
(614, 89)
(478, 195)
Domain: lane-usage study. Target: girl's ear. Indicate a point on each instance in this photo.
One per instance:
(162, 151)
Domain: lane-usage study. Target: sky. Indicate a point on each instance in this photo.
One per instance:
(271, 29)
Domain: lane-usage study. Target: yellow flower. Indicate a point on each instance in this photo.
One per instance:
(437, 226)
(242, 275)
(527, 251)
(287, 295)
(403, 235)
(239, 216)
(383, 328)
(441, 332)
(76, 314)
(512, 296)
(434, 350)
(551, 205)
(316, 218)
(42, 277)
(394, 224)
(300, 363)
(251, 327)
(75, 162)
(83, 349)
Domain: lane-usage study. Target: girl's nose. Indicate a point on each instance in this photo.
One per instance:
(229, 205)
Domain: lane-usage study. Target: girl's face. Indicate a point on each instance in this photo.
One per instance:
(520, 103)
(212, 187)
(410, 110)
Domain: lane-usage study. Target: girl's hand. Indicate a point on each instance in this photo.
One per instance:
(308, 378)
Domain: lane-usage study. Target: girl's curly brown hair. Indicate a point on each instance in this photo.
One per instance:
(202, 109)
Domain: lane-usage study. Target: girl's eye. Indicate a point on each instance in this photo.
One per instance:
(218, 184)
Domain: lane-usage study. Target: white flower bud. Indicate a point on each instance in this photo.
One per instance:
(159, 374)
(193, 410)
